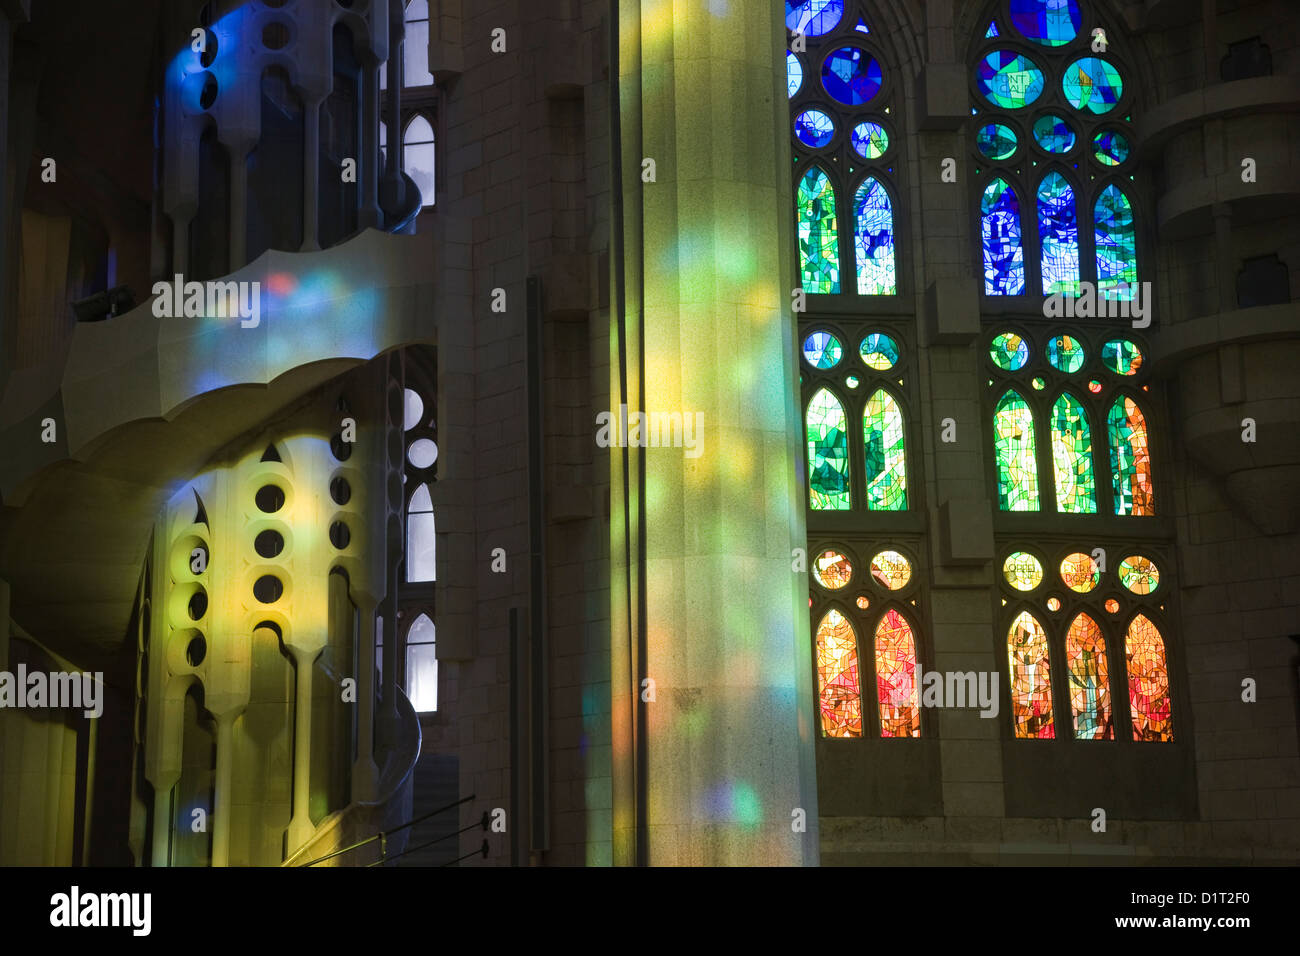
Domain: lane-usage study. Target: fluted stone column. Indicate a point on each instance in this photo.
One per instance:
(704, 601)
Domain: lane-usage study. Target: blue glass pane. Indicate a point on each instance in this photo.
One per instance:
(1058, 232)
(814, 128)
(1110, 147)
(992, 31)
(870, 141)
(1053, 134)
(1004, 258)
(873, 238)
(813, 17)
(862, 26)
(1049, 22)
(1092, 84)
(1009, 80)
(996, 141)
(852, 76)
(822, 350)
(793, 74)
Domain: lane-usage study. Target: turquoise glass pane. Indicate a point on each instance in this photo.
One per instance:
(819, 256)
(1009, 80)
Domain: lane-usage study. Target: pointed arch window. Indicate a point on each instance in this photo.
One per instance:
(1031, 677)
(421, 558)
(1076, 491)
(1013, 429)
(422, 665)
(1130, 458)
(886, 458)
(839, 687)
(415, 48)
(1085, 656)
(828, 453)
(1148, 681)
(418, 156)
(898, 679)
(1004, 255)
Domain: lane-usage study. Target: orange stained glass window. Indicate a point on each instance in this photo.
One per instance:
(897, 677)
(1130, 459)
(838, 686)
(1031, 678)
(1148, 681)
(1085, 655)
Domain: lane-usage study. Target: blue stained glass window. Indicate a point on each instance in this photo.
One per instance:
(992, 31)
(997, 142)
(862, 26)
(1058, 234)
(1053, 134)
(870, 141)
(1116, 241)
(1110, 147)
(1004, 257)
(1092, 84)
(814, 128)
(1009, 80)
(1049, 22)
(813, 17)
(793, 73)
(873, 238)
(852, 76)
(822, 350)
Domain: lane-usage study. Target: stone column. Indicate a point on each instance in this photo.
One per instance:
(704, 601)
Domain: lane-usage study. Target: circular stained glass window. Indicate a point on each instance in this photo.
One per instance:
(1053, 604)
(891, 570)
(1121, 356)
(852, 76)
(813, 18)
(832, 570)
(1065, 353)
(1009, 352)
(996, 141)
(1095, 387)
(422, 453)
(864, 602)
(1140, 575)
(822, 350)
(1049, 22)
(870, 141)
(1053, 134)
(1022, 571)
(1092, 84)
(1009, 80)
(1110, 147)
(814, 128)
(852, 381)
(1112, 606)
(879, 351)
(1080, 573)
(793, 73)
(1038, 383)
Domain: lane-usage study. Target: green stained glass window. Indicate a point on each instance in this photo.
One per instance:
(870, 141)
(1009, 352)
(1009, 80)
(819, 251)
(828, 453)
(1110, 147)
(1013, 431)
(1116, 245)
(882, 433)
(1065, 352)
(1022, 571)
(1130, 459)
(879, 351)
(997, 141)
(822, 350)
(1076, 492)
(1121, 356)
(1092, 84)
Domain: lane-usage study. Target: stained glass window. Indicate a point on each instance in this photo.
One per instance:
(814, 128)
(1031, 678)
(838, 684)
(1085, 656)
(1110, 147)
(870, 141)
(1140, 575)
(822, 350)
(879, 351)
(1053, 134)
(1009, 80)
(897, 677)
(873, 238)
(1049, 22)
(1076, 492)
(813, 17)
(1004, 257)
(1065, 354)
(1130, 460)
(1121, 356)
(852, 76)
(1022, 571)
(1116, 241)
(1058, 235)
(1148, 681)
(828, 453)
(1092, 84)
(891, 570)
(793, 73)
(1080, 573)
(1013, 430)
(819, 253)
(997, 141)
(1009, 351)
(832, 570)
(886, 459)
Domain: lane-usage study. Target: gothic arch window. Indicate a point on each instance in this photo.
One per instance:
(422, 664)
(417, 652)
(418, 154)
(1052, 132)
(415, 49)
(843, 117)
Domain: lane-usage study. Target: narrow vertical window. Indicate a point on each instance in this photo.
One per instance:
(1085, 657)
(838, 686)
(418, 153)
(421, 564)
(1130, 459)
(1058, 235)
(1148, 681)
(819, 253)
(1116, 241)
(1013, 435)
(422, 665)
(1076, 492)
(897, 677)
(886, 459)
(828, 453)
(1031, 678)
(1004, 256)
(873, 238)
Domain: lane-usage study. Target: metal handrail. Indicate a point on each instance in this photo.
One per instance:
(382, 835)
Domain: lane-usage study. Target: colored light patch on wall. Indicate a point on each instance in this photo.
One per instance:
(1121, 356)
(1148, 682)
(870, 140)
(1111, 148)
(1085, 657)
(814, 129)
(828, 454)
(886, 458)
(1004, 258)
(896, 677)
(819, 252)
(813, 18)
(996, 141)
(1009, 80)
(793, 73)
(1022, 571)
(822, 350)
(1009, 352)
(1138, 574)
(1092, 84)
(891, 570)
(1053, 134)
(832, 570)
(1130, 460)
(839, 692)
(1048, 22)
(1076, 492)
(1080, 573)
(879, 351)
(1065, 353)
(873, 239)
(1031, 678)
(852, 76)
(1116, 241)
(1058, 234)
(1013, 447)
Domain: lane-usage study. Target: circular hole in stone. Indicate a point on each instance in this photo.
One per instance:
(196, 651)
(269, 499)
(268, 589)
(340, 491)
(198, 605)
(209, 53)
(208, 94)
(268, 543)
(275, 35)
(340, 535)
(339, 448)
